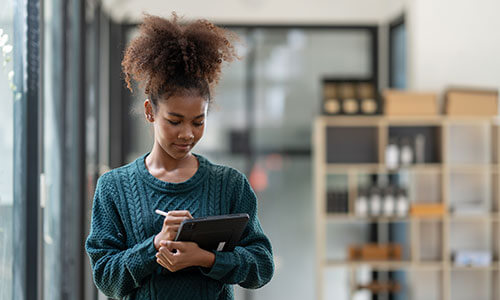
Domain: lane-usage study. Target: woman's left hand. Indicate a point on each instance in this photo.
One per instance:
(187, 254)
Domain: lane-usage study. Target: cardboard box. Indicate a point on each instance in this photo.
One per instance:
(468, 102)
(402, 103)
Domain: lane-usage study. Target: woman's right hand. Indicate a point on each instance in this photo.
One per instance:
(171, 225)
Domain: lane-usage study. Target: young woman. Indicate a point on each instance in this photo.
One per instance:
(131, 248)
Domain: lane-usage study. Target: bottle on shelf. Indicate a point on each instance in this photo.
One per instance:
(389, 202)
(420, 148)
(402, 203)
(392, 154)
(361, 207)
(375, 201)
(406, 152)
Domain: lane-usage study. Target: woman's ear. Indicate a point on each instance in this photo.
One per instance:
(148, 111)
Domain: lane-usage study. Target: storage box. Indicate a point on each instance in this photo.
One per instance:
(468, 102)
(402, 103)
(467, 258)
(427, 209)
(372, 252)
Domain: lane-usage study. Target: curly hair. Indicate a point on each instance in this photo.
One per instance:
(168, 58)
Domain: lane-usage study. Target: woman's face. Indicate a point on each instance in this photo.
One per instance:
(179, 123)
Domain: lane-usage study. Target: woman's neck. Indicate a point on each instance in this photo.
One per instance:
(164, 167)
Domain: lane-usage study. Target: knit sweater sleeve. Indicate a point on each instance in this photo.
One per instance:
(117, 269)
(250, 264)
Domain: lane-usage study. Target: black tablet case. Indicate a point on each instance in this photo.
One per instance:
(220, 233)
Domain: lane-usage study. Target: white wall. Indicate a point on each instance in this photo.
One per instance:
(255, 11)
(453, 42)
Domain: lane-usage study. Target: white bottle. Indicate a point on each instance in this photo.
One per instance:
(375, 202)
(392, 155)
(402, 205)
(406, 153)
(389, 202)
(361, 205)
(420, 149)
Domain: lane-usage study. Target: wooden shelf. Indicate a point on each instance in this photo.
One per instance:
(479, 218)
(454, 167)
(384, 265)
(427, 237)
(492, 267)
(349, 217)
(406, 120)
(381, 168)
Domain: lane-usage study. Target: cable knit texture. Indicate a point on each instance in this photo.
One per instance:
(120, 243)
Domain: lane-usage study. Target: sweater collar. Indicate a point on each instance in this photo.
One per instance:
(171, 186)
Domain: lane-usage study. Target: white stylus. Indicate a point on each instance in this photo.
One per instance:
(161, 212)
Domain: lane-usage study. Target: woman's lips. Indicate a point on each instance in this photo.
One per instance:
(183, 147)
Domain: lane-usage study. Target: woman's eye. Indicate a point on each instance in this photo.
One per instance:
(174, 122)
(198, 124)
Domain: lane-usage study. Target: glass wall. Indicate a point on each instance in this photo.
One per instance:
(6, 148)
(289, 67)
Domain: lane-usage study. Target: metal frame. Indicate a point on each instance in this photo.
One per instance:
(392, 26)
(27, 126)
(73, 179)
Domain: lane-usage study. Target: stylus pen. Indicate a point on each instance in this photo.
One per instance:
(161, 212)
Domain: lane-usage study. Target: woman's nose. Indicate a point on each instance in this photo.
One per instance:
(186, 133)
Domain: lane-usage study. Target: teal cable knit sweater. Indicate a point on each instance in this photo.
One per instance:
(120, 243)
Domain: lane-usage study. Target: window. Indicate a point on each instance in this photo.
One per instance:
(6, 148)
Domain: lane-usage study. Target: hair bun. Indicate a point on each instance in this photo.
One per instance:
(167, 53)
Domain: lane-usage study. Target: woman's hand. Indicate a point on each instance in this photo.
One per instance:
(175, 256)
(171, 225)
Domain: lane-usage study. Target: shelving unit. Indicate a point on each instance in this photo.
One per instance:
(462, 163)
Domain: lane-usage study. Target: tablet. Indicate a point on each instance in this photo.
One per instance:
(220, 233)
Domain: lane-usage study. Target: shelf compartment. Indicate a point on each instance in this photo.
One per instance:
(352, 144)
(428, 245)
(474, 236)
(432, 137)
(425, 187)
(470, 284)
(339, 236)
(337, 194)
(469, 143)
(470, 189)
(426, 284)
(495, 285)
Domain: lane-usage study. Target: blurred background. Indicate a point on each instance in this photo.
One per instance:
(368, 130)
